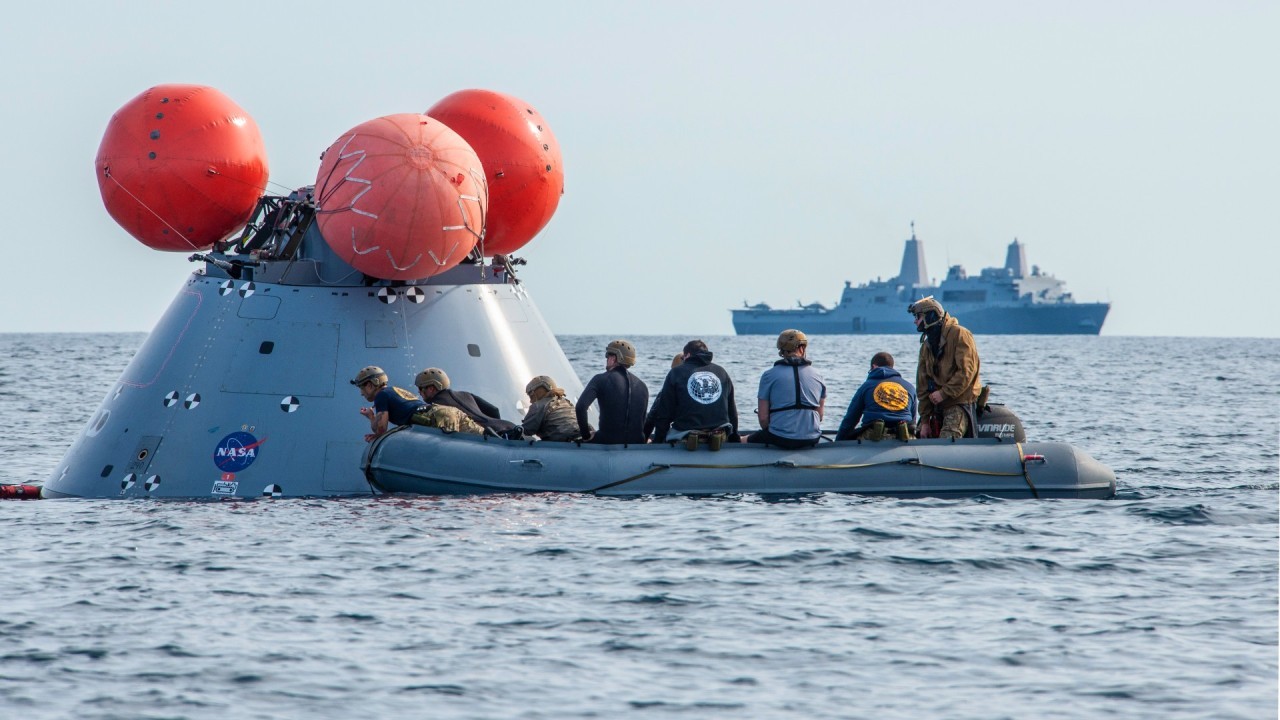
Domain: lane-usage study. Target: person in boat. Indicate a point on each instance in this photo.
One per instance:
(435, 388)
(791, 398)
(947, 374)
(623, 399)
(696, 401)
(886, 405)
(551, 416)
(391, 405)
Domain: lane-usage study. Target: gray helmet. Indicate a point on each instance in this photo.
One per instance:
(790, 341)
(432, 377)
(624, 351)
(542, 381)
(372, 372)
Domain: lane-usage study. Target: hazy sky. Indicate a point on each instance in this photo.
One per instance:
(714, 152)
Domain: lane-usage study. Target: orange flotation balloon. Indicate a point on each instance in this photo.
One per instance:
(181, 167)
(521, 162)
(401, 197)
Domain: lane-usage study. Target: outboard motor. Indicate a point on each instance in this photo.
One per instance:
(998, 421)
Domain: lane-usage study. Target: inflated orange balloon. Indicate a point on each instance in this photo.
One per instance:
(521, 162)
(401, 197)
(181, 167)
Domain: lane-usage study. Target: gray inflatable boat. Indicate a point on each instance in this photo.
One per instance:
(417, 459)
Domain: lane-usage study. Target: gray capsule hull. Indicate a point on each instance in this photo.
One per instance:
(242, 388)
(424, 460)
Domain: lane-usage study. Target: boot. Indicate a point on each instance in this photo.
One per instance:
(874, 432)
(903, 432)
(691, 441)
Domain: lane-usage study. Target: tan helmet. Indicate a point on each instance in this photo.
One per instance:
(924, 305)
(623, 350)
(790, 341)
(432, 377)
(372, 372)
(542, 381)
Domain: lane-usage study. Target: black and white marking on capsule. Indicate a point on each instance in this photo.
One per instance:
(272, 491)
(171, 399)
(415, 295)
(386, 295)
(127, 481)
(226, 287)
(290, 404)
(152, 483)
(192, 400)
(246, 289)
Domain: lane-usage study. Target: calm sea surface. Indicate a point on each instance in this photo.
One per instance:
(1161, 603)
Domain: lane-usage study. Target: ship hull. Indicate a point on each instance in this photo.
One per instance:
(1030, 319)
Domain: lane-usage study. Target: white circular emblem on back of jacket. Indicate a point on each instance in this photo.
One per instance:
(704, 387)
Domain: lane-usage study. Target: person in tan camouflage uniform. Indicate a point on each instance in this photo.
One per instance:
(551, 416)
(448, 419)
(947, 375)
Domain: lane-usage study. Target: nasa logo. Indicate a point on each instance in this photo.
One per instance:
(236, 451)
(704, 387)
(891, 396)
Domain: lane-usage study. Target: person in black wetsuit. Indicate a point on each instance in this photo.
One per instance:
(623, 398)
(696, 396)
(433, 383)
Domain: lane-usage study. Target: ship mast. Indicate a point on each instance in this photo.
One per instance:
(913, 272)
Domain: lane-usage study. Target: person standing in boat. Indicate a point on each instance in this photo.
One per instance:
(391, 405)
(696, 400)
(551, 416)
(623, 399)
(791, 398)
(886, 405)
(947, 374)
(434, 386)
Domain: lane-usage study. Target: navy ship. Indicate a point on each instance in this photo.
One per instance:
(1006, 300)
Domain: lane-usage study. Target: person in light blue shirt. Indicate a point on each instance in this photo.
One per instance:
(791, 398)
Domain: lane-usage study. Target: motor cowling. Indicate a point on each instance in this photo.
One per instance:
(998, 421)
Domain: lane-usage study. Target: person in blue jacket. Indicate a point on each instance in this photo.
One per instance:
(883, 403)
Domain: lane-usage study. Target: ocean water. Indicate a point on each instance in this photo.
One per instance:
(1161, 602)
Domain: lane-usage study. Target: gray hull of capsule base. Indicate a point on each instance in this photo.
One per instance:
(273, 359)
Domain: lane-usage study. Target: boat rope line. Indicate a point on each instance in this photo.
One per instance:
(1022, 460)
(107, 172)
(841, 466)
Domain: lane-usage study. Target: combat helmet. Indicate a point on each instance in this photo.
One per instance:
(791, 340)
(930, 308)
(371, 372)
(432, 377)
(623, 350)
(542, 381)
